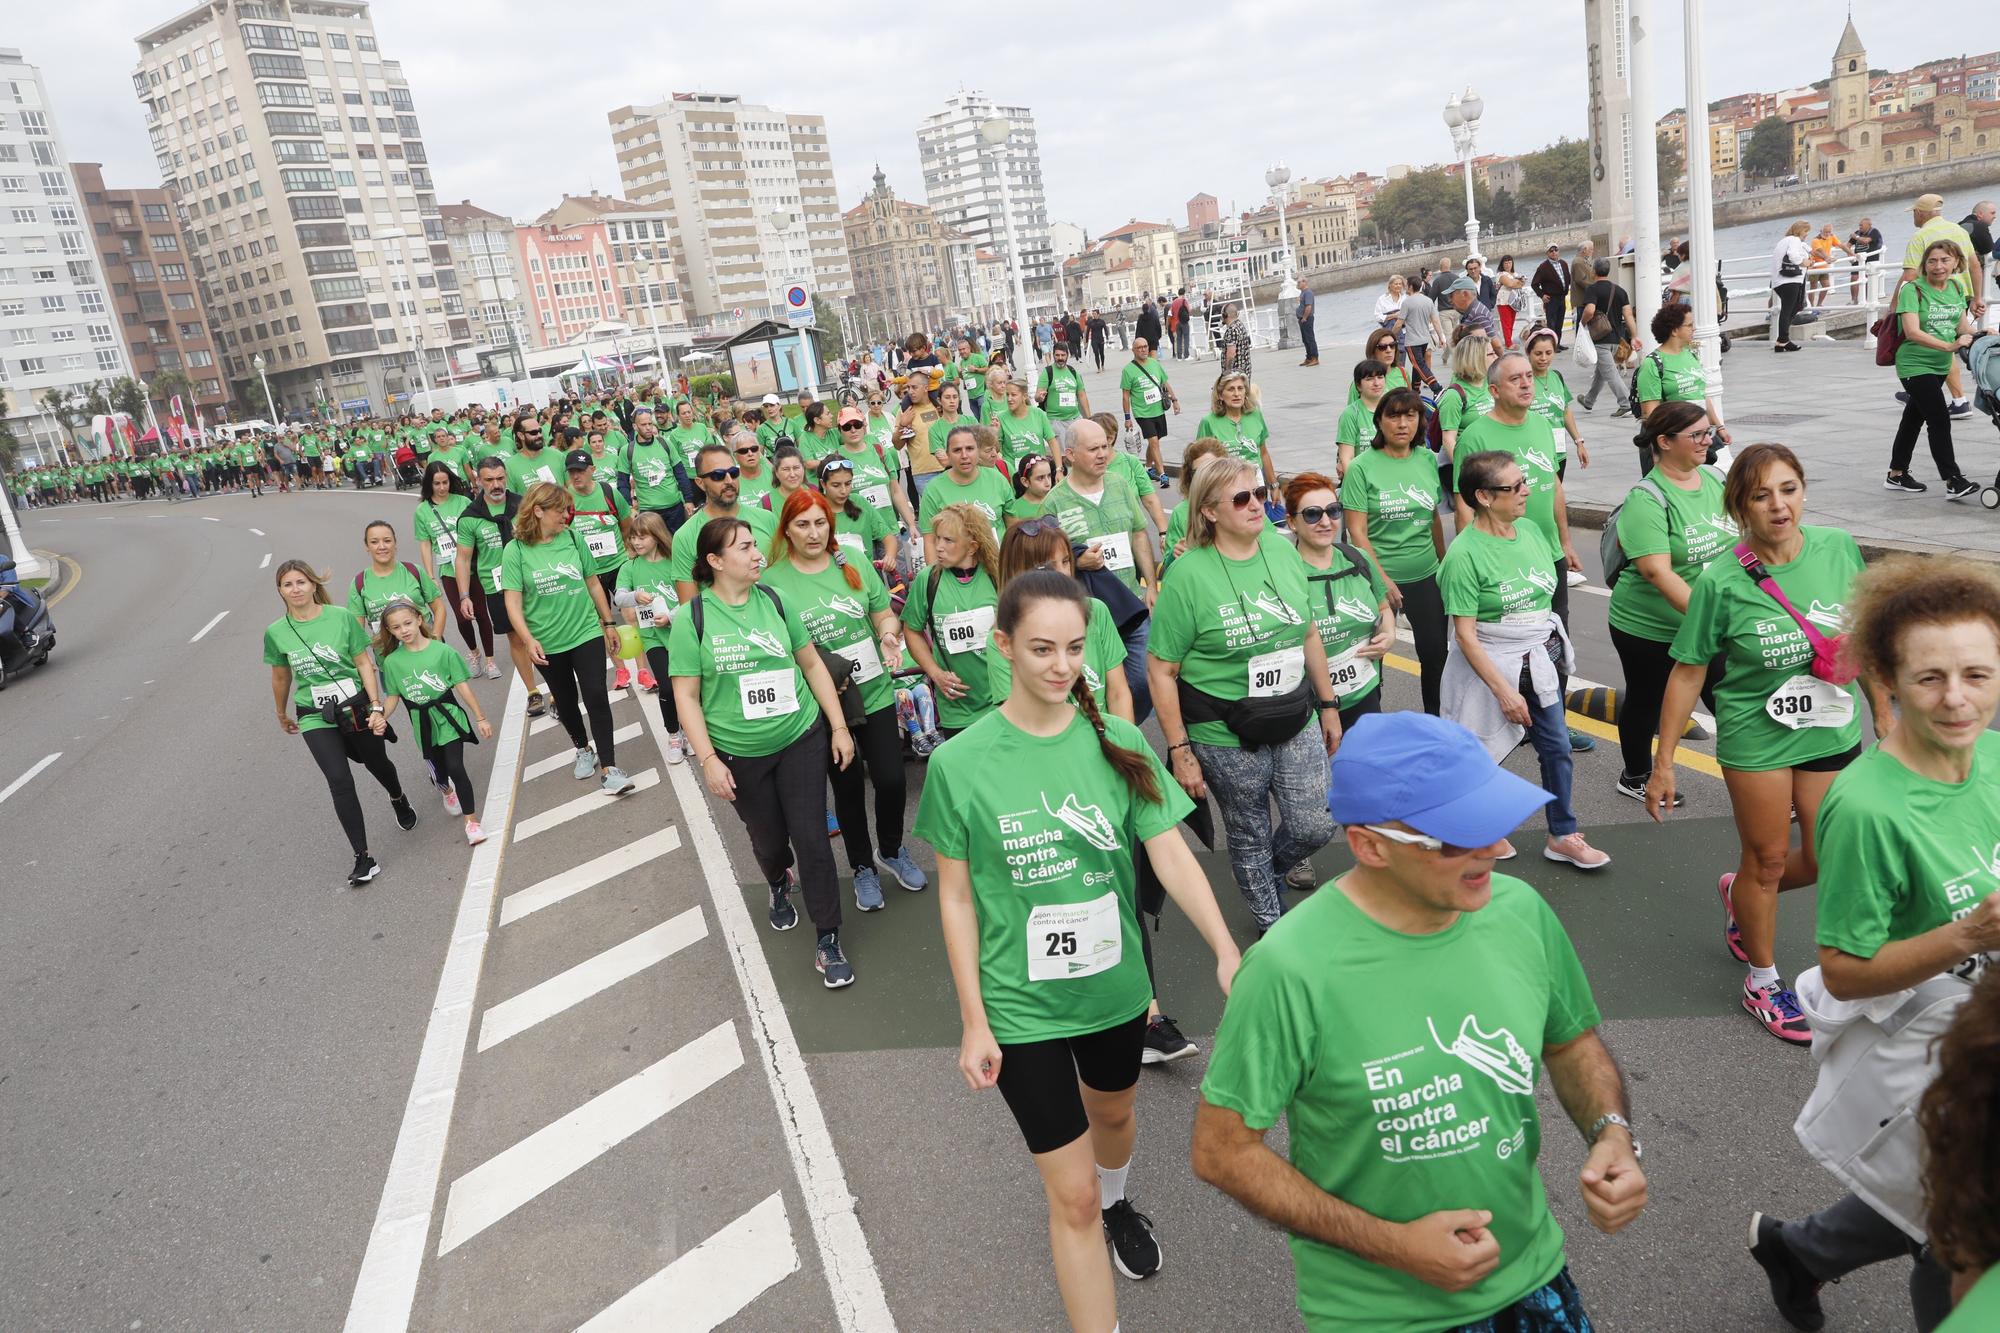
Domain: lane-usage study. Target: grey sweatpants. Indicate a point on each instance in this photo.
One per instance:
(1606, 371)
(1836, 1241)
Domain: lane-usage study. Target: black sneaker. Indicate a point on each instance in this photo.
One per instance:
(1906, 483)
(783, 915)
(1636, 789)
(1164, 1043)
(1133, 1249)
(1794, 1290)
(1624, 410)
(365, 869)
(1960, 487)
(406, 814)
(831, 962)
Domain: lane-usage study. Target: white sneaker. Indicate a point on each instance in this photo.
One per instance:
(492, 668)
(474, 835)
(450, 795)
(677, 748)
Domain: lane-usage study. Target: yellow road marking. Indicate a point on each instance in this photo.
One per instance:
(75, 574)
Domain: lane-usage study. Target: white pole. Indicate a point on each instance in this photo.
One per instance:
(1645, 164)
(1030, 362)
(1701, 206)
(27, 565)
(1471, 216)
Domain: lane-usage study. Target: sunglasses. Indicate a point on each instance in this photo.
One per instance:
(1429, 844)
(1243, 499)
(1518, 488)
(1312, 514)
(853, 425)
(1035, 527)
(723, 473)
(746, 450)
(833, 465)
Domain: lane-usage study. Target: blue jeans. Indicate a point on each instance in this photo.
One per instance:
(1135, 670)
(1244, 783)
(1548, 730)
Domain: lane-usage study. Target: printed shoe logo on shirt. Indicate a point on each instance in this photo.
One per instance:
(1495, 1054)
(1275, 607)
(1827, 617)
(1353, 608)
(431, 681)
(1539, 459)
(767, 641)
(1086, 820)
(1419, 498)
(652, 471)
(844, 606)
(1545, 579)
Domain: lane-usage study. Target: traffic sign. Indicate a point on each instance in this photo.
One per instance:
(798, 306)
(737, 313)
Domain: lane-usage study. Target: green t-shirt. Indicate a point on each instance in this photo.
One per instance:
(1399, 496)
(1064, 387)
(1148, 386)
(754, 698)
(1020, 509)
(1245, 435)
(1356, 427)
(841, 620)
(596, 521)
(1672, 377)
(1461, 403)
(1113, 519)
(655, 577)
(555, 599)
(1533, 446)
(1497, 579)
(813, 447)
(481, 533)
(653, 484)
(525, 469)
(861, 536)
(1770, 711)
(1938, 314)
(1692, 530)
(963, 627)
(874, 474)
(424, 677)
(1914, 853)
(1236, 627)
(455, 457)
(309, 446)
(1407, 1109)
(987, 489)
(373, 593)
(1053, 877)
(940, 431)
(1177, 521)
(1346, 604)
(763, 523)
(1552, 400)
(321, 654)
(783, 428)
(610, 465)
(1103, 653)
(1027, 434)
(752, 490)
(1980, 1310)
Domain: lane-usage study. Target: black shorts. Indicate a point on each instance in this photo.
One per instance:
(1832, 763)
(1152, 428)
(1039, 1079)
(496, 611)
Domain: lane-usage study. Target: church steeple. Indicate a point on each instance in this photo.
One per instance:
(1850, 48)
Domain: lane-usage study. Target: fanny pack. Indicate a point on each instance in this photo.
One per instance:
(1827, 664)
(1257, 722)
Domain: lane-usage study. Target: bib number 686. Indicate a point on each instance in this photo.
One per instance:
(763, 694)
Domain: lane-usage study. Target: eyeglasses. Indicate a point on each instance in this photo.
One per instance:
(1243, 499)
(723, 473)
(1518, 488)
(874, 402)
(853, 425)
(1424, 841)
(1702, 436)
(1312, 514)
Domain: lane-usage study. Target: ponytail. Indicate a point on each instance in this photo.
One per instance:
(852, 575)
(1135, 768)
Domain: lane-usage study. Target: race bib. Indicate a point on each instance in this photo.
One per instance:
(769, 693)
(542, 474)
(447, 549)
(602, 544)
(1562, 440)
(1066, 398)
(876, 497)
(493, 579)
(655, 614)
(1116, 548)
(1073, 939)
(339, 691)
(1275, 673)
(1352, 673)
(867, 659)
(966, 631)
(1149, 394)
(854, 542)
(1807, 701)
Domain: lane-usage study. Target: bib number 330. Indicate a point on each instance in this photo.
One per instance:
(1807, 701)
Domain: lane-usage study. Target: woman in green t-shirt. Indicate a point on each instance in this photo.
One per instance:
(1513, 659)
(1380, 346)
(645, 597)
(1911, 825)
(559, 608)
(756, 701)
(1670, 527)
(964, 481)
(1034, 478)
(425, 674)
(845, 609)
(1345, 594)
(1935, 323)
(1782, 733)
(1672, 373)
(1234, 418)
(387, 578)
(868, 536)
(1390, 501)
(951, 606)
(320, 674)
(1356, 426)
(1554, 400)
(788, 477)
(1036, 812)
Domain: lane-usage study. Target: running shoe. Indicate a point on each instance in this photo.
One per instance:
(1794, 1290)
(492, 668)
(646, 680)
(585, 766)
(783, 915)
(677, 748)
(1573, 850)
(1624, 410)
(1302, 877)
(473, 663)
(615, 782)
(1906, 483)
(1778, 1010)
(1902, 396)
(1164, 1042)
(365, 869)
(450, 795)
(623, 680)
(474, 835)
(1575, 577)
(867, 889)
(1961, 408)
(831, 962)
(832, 825)
(1507, 850)
(903, 869)
(537, 704)
(406, 814)
(1636, 789)
(1134, 1249)
(1581, 741)
(1731, 934)
(1960, 487)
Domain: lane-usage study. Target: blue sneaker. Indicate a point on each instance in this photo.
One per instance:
(615, 782)
(1580, 741)
(904, 870)
(585, 767)
(867, 890)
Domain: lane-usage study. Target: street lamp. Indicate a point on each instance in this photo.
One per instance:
(1461, 117)
(781, 222)
(643, 267)
(270, 403)
(995, 131)
(1278, 177)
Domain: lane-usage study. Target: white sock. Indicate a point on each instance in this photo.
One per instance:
(1111, 1184)
(1763, 976)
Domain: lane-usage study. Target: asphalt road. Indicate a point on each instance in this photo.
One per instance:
(206, 1080)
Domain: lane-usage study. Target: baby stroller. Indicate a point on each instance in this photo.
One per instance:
(408, 474)
(1982, 359)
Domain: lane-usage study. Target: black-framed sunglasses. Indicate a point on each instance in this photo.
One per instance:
(854, 425)
(1312, 514)
(745, 450)
(723, 473)
(1243, 499)
(1520, 487)
(1035, 527)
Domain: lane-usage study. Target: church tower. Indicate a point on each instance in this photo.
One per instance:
(1847, 95)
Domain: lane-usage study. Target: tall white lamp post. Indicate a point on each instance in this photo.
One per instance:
(1701, 206)
(781, 222)
(1461, 117)
(995, 131)
(270, 403)
(1278, 177)
(644, 269)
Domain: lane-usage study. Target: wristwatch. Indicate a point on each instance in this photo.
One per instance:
(1597, 1127)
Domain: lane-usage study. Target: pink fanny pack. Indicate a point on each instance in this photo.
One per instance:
(1827, 664)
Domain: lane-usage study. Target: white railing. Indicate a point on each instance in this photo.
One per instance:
(1853, 282)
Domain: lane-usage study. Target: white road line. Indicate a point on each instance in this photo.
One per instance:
(265, 563)
(210, 518)
(546, 999)
(852, 1278)
(29, 776)
(707, 1286)
(386, 1291)
(557, 762)
(589, 875)
(209, 626)
(582, 805)
(515, 1175)
(258, 531)
(549, 719)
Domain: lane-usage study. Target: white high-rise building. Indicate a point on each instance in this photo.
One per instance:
(724, 169)
(963, 188)
(57, 329)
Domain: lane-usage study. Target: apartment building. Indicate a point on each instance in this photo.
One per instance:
(567, 282)
(482, 253)
(642, 267)
(964, 189)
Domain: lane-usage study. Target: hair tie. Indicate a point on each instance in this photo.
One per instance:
(840, 555)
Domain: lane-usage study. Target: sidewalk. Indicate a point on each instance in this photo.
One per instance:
(1831, 403)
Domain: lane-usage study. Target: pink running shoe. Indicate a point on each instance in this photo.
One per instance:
(646, 681)
(1731, 935)
(623, 680)
(1778, 1010)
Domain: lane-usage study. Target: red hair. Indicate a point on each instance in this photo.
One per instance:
(1303, 485)
(800, 500)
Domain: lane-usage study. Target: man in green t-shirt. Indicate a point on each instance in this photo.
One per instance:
(1059, 389)
(1411, 1194)
(719, 479)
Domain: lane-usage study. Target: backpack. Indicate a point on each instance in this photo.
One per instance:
(419, 578)
(1433, 427)
(1659, 367)
(1609, 553)
(693, 608)
(1357, 564)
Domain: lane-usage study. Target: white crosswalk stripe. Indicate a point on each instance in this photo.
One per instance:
(587, 978)
(712, 1282)
(589, 875)
(561, 761)
(548, 720)
(582, 805)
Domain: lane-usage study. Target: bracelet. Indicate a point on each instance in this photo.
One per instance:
(1180, 745)
(705, 758)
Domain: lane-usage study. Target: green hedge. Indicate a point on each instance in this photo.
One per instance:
(705, 386)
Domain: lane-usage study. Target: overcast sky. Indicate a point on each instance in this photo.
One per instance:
(1138, 107)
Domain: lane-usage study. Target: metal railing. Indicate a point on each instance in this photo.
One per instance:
(1852, 282)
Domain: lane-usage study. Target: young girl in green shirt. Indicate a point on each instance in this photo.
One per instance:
(425, 675)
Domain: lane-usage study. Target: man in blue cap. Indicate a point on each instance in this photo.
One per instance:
(1400, 1018)
(1473, 312)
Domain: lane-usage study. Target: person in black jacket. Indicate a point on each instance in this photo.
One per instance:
(1148, 326)
(1551, 283)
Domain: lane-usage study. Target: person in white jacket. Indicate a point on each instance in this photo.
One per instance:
(1788, 280)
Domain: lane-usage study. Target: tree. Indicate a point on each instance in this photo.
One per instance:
(250, 393)
(1769, 152)
(1555, 182)
(10, 447)
(1367, 233)
(128, 396)
(1504, 213)
(826, 316)
(1672, 162)
(1425, 206)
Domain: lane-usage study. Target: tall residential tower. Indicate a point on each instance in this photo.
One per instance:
(963, 188)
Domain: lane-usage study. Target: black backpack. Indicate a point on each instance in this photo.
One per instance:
(1659, 368)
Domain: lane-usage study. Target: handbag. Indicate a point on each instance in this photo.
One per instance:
(1888, 330)
(1828, 664)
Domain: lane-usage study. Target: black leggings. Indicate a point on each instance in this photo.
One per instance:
(1927, 409)
(1647, 665)
(333, 749)
(878, 759)
(1039, 1079)
(670, 712)
(1423, 609)
(781, 799)
(448, 762)
(478, 631)
(1791, 295)
(581, 669)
